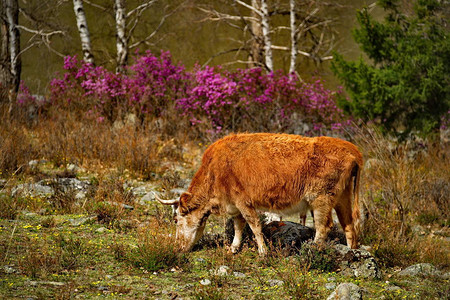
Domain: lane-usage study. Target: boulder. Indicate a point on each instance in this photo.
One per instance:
(346, 291)
(34, 190)
(357, 262)
(423, 269)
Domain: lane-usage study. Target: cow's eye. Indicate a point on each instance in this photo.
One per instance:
(175, 219)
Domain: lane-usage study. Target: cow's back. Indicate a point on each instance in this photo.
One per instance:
(276, 171)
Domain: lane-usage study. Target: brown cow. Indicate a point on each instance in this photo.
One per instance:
(281, 173)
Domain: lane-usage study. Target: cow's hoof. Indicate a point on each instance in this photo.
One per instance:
(234, 249)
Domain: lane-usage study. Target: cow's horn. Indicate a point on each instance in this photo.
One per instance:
(166, 202)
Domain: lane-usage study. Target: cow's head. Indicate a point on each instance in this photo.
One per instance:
(190, 220)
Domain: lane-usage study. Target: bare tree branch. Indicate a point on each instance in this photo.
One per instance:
(141, 8)
(151, 35)
(222, 16)
(259, 12)
(44, 38)
(105, 9)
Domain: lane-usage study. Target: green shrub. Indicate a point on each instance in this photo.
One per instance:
(406, 86)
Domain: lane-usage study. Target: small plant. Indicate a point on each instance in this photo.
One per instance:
(209, 293)
(391, 254)
(156, 251)
(110, 200)
(119, 251)
(109, 214)
(427, 218)
(49, 222)
(71, 251)
(8, 207)
(317, 257)
(40, 259)
(299, 285)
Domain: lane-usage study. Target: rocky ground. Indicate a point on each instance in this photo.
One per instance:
(68, 240)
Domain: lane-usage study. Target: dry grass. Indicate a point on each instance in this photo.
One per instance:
(403, 186)
(63, 138)
(43, 257)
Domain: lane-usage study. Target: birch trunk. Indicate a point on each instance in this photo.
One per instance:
(121, 42)
(294, 46)
(10, 62)
(257, 42)
(83, 30)
(266, 33)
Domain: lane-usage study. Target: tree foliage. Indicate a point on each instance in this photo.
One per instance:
(406, 86)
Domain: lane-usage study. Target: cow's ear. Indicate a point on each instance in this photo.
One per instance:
(184, 203)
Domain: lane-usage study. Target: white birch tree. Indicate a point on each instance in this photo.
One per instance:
(126, 23)
(266, 33)
(10, 62)
(121, 40)
(294, 45)
(84, 31)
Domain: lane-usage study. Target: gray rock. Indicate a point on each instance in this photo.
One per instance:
(275, 282)
(419, 230)
(73, 168)
(330, 285)
(149, 197)
(205, 281)
(37, 190)
(346, 291)
(201, 260)
(9, 270)
(423, 269)
(101, 230)
(81, 195)
(177, 191)
(357, 262)
(81, 221)
(128, 207)
(67, 185)
(28, 214)
(142, 190)
(53, 283)
(393, 288)
(33, 164)
(239, 275)
(222, 271)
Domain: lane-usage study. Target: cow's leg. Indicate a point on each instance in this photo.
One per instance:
(323, 220)
(303, 219)
(253, 221)
(239, 223)
(344, 213)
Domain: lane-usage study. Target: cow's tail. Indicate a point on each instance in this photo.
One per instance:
(356, 215)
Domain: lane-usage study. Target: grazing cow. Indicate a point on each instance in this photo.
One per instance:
(241, 174)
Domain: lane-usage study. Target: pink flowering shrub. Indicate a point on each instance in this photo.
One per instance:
(210, 98)
(147, 89)
(250, 100)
